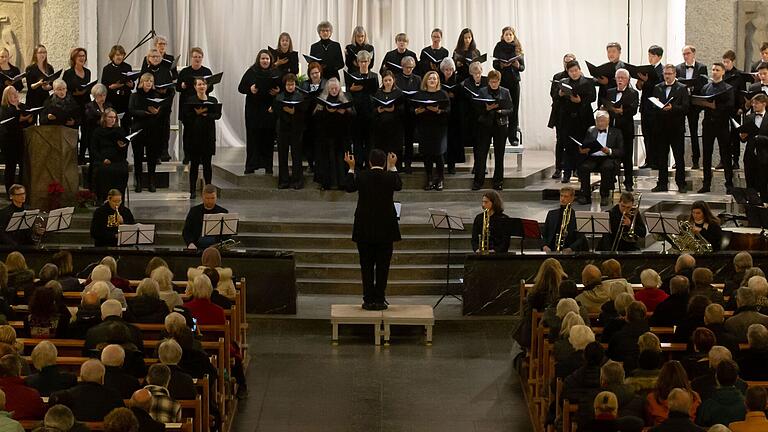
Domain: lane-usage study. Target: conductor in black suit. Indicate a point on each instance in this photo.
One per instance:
(376, 226)
(605, 161)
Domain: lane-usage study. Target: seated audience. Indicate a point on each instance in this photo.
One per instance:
(88, 314)
(643, 379)
(612, 378)
(102, 273)
(554, 321)
(117, 281)
(751, 272)
(121, 420)
(146, 306)
(702, 278)
(595, 293)
(181, 385)
(623, 344)
(48, 272)
(726, 404)
(657, 407)
(608, 309)
(651, 294)
(212, 259)
(714, 319)
(755, 420)
(696, 363)
(48, 316)
(583, 384)
(49, 377)
(155, 262)
(164, 279)
(759, 285)
(672, 310)
(542, 295)
(7, 424)
(694, 318)
(140, 404)
(163, 409)
(194, 360)
(9, 345)
(745, 315)
(611, 270)
(683, 267)
(754, 361)
(680, 403)
(6, 313)
(706, 384)
(113, 329)
(59, 418)
(24, 402)
(741, 262)
(612, 325)
(550, 318)
(201, 307)
(115, 377)
(216, 297)
(606, 416)
(567, 358)
(20, 277)
(67, 279)
(90, 399)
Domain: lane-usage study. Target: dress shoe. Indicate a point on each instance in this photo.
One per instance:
(682, 188)
(583, 200)
(438, 186)
(660, 188)
(151, 187)
(498, 187)
(370, 306)
(476, 186)
(380, 306)
(719, 166)
(557, 174)
(283, 186)
(704, 189)
(137, 188)
(695, 166)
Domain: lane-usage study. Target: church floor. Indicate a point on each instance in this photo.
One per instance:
(298, 381)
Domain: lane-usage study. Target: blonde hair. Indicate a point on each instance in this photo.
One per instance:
(359, 30)
(426, 77)
(44, 354)
(570, 320)
(148, 287)
(163, 277)
(15, 261)
(201, 287)
(7, 95)
(649, 342)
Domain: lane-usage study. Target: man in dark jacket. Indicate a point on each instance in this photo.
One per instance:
(49, 379)
(181, 385)
(583, 384)
(115, 377)
(612, 379)
(727, 402)
(376, 227)
(90, 400)
(623, 345)
(683, 267)
(706, 385)
(672, 310)
(193, 224)
(140, 403)
(88, 315)
(112, 329)
(679, 401)
(605, 160)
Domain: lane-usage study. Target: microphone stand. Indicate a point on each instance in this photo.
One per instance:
(150, 34)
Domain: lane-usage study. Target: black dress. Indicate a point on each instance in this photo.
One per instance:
(350, 56)
(430, 59)
(329, 52)
(81, 97)
(387, 127)
(311, 128)
(290, 128)
(333, 142)
(455, 146)
(510, 80)
(118, 98)
(12, 141)
(164, 75)
(187, 77)
(151, 132)
(259, 121)
(91, 119)
(106, 146)
(469, 90)
(200, 136)
(37, 96)
(11, 72)
(463, 59)
(104, 224)
(431, 133)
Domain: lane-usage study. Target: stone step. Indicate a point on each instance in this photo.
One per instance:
(396, 271)
(394, 287)
(400, 256)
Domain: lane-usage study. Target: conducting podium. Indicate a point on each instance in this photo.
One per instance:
(50, 156)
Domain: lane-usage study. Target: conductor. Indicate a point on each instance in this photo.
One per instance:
(375, 228)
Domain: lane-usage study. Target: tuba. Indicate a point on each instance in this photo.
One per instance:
(563, 233)
(688, 241)
(484, 236)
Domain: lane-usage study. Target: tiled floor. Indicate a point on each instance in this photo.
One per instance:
(298, 381)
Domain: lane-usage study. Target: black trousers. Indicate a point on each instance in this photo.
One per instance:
(439, 163)
(647, 126)
(330, 164)
(514, 116)
(735, 144)
(194, 168)
(606, 166)
(671, 139)
(140, 147)
(559, 150)
(361, 141)
(497, 134)
(165, 135)
(717, 130)
(374, 268)
(112, 176)
(409, 131)
(627, 161)
(290, 141)
(259, 145)
(693, 127)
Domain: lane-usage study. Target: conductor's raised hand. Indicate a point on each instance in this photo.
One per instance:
(350, 160)
(391, 160)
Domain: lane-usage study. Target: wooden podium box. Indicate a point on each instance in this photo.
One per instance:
(50, 154)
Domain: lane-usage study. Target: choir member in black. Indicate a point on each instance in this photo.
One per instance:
(361, 97)
(432, 127)
(359, 43)
(60, 108)
(762, 84)
(756, 151)
(328, 51)
(573, 240)
(605, 161)
(613, 52)
(455, 146)
(646, 83)
(119, 86)
(147, 119)
(311, 87)
(492, 126)
(554, 117)
(10, 71)
(185, 83)
(160, 43)
(691, 69)
(18, 196)
(333, 125)
(108, 217)
(508, 48)
(432, 55)
(622, 105)
(12, 124)
(110, 152)
(465, 53)
(763, 57)
(289, 110)
(257, 84)
(716, 124)
(387, 126)
(193, 224)
(286, 59)
(92, 119)
(575, 114)
(38, 89)
(77, 78)
(498, 235)
(395, 57)
(165, 76)
(705, 223)
(733, 77)
(623, 217)
(200, 133)
(410, 84)
(669, 128)
(471, 89)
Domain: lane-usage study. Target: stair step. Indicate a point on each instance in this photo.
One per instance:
(394, 287)
(396, 272)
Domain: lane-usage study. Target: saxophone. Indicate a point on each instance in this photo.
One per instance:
(484, 236)
(688, 241)
(563, 233)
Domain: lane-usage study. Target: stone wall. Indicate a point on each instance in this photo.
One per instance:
(59, 29)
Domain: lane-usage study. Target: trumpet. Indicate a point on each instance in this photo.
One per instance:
(628, 235)
(563, 233)
(226, 245)
(484, 243)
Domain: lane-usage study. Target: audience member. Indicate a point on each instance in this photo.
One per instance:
(49, 378)
(759, 285)
(706, 384)
(611, 326)
(212, 259)
(623, 344)
(88, 315)
(651, 294)
(542, 295)
(155, 262)
(194, 360)
(608, 309)
(754, 361)
(102, 273)
(140, 404)
(48, 272)
(121, 283)
(702, 278)
(181, 385)
(9, 345)
(595, 293)
(694, 318)
(67, 279)
(164, 278)
(201, 307)
(696, 363)
(714, 319)
(113, 329)
(745, 315)
(164, 409)
(115, 377)
(672, 376)
(583, 384)
(751, 272)
(6, 296)
(24, 402)
(612, 378)
(48, 315)
(7, 424)
(726, 405)
(147, 307)
(121, 420)
(20, 277)
(672, 310)
(554, 320)
(216, 297)
(565, 353)
(566, 290)
(741, 262)
(59, 418)
(681, 403)
(89, 400)
(683, 267)
(611, 271)
(606, 412)
(755, 420)
(643, 379)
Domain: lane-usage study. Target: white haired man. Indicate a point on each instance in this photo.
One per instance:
(603, 160)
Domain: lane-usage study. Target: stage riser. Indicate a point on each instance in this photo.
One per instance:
(436, 287)
(349, 256)
(395, 273)
(405, 196)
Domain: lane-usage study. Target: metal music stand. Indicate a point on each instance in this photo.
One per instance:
(662, 225)
(59, 219)
(593, 223)
(440, 219)
(22, 220)
(220, 224)
(135, 235)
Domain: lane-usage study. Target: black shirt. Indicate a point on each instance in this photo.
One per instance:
(498, 235)
(104, 224)
(193, 225)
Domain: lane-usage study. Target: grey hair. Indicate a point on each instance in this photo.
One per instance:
(59, 417)
(447, 63)
(612, 372)
(746, 297)
(475, 67)
(622, 72)
(581, 336)
(757, 336)
(59, 83)
(92, 371)
(717, 354)
(566, 305)
(408, 61)
(650, 278)
(148, 287)
(44, 354)
(170, 352)
(714, 314)
(363, 55)
(98, 89)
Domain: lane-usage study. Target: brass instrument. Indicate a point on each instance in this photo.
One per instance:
(38, 228)
(484, 243)
(628, 234)
(563, 234)
(226, 245)
(688, 241)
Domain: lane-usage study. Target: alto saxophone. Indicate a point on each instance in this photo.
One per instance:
(563, 233)
(484, 236)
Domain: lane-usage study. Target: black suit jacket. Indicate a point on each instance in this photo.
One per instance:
(615, 220)
(757, 142)
(88, 401)
(375, 217)
(121, 382)
(574, 239)
(615, 141)
(50, 379)
(698, 70)
(146, 422)
(112, 330)
(648, 86)
(629, 103)
(680, 105)
(181, 385)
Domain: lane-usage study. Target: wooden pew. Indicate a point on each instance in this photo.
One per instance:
(185, 426)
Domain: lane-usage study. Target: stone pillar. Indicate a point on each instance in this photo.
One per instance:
(710, 25)
(60, 30)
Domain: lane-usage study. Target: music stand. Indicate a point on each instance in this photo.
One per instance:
(531, 230)
(758, 217)
(220, 224)
(440, 219)
(592, 223)
(22, 220)
(135, 235)
(59, 219)
(662, 225)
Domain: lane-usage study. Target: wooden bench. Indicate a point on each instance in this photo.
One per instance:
(418, 315)
(355, 314)
(185, 426)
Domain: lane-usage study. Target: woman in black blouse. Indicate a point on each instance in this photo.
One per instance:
(498, 236)
(286, 59)
(449, 84)
(388, 112)
(465, 52)
(431, 56)
(38, 89)
(431, 127)
(185, 85)
(359, 43)
(311, 88)
(147, 117)
(110, 151)
(60, 108)
(12, 124)
(92, 119)
(160, 67)
(77, 78)
(508, 48)
(118, 84)
(334, 136)
(705, 223)
(289, 110)
(471, 89)
(10, 71)
(200, 133)
(260, 86)
(361, 97)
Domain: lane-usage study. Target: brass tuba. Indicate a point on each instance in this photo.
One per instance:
(563, 233)
(688, 241)
(484, 235)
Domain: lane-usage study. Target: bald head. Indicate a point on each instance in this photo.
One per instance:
(684, 262)
(92, 371)
(141, 399)
(679, 401)
(679, 285)
(91, 298)
(110, 308)
(591, 275)
(113, 355)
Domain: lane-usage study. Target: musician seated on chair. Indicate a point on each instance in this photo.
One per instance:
(193, 225)
(604, 159)
(107, 218)
(18, 197)
(498, 234)
(625, 222)
(704, 223)
(560, 236)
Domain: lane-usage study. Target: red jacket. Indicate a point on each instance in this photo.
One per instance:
(24, 402)
(650, 297)
(206, 312)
